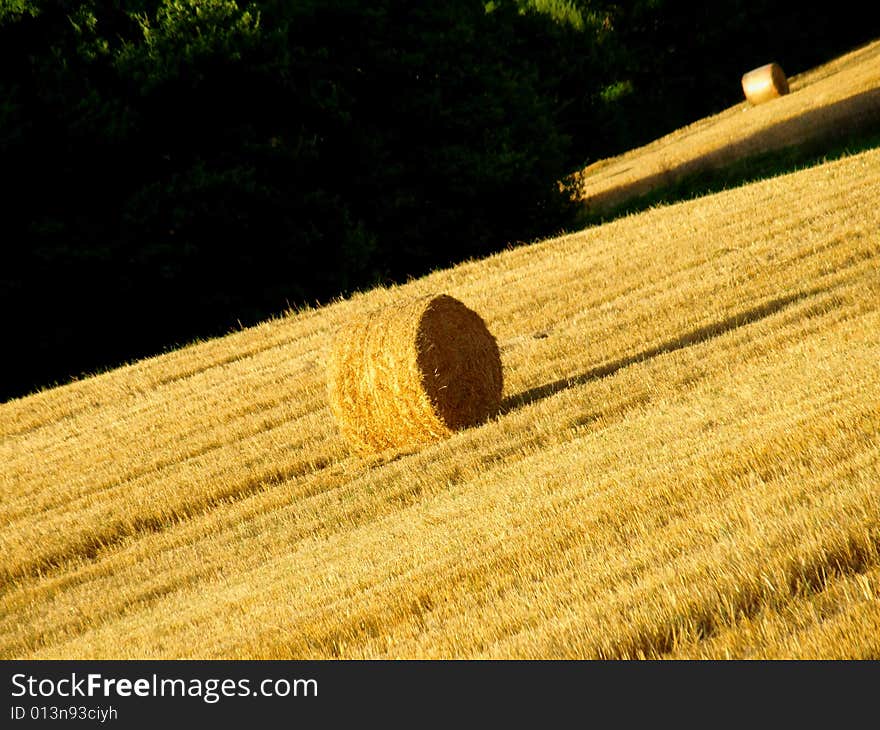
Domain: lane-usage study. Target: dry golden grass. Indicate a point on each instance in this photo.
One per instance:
(687, 464)
(841, 96)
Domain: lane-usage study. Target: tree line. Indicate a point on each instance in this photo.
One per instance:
(178, 168)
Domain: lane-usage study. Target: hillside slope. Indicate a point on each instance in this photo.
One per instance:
(838, 98)
(688, 464)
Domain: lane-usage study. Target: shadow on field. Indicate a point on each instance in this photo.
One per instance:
(813, 128)
(687, 339)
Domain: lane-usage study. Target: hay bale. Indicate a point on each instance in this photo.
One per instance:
(414, 373)
(764, 83)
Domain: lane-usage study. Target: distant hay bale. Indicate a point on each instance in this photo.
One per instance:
(413, 373)
(764, 83)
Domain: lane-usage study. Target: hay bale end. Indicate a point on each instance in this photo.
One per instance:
(764, 83)
(413, 373)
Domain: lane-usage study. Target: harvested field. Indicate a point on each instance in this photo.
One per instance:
(686, 463)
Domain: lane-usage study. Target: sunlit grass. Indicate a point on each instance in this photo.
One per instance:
(686, 463)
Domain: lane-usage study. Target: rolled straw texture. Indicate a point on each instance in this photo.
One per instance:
(413, 373)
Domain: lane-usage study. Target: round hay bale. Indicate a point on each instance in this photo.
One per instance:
(764, 83)
(410, 374)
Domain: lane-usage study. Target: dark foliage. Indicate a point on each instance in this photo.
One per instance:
(177, 167)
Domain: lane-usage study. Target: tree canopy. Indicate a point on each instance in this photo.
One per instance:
(178, 167)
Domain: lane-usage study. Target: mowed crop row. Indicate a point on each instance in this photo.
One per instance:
(687, 464)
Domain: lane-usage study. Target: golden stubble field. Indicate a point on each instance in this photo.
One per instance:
(687, 463)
